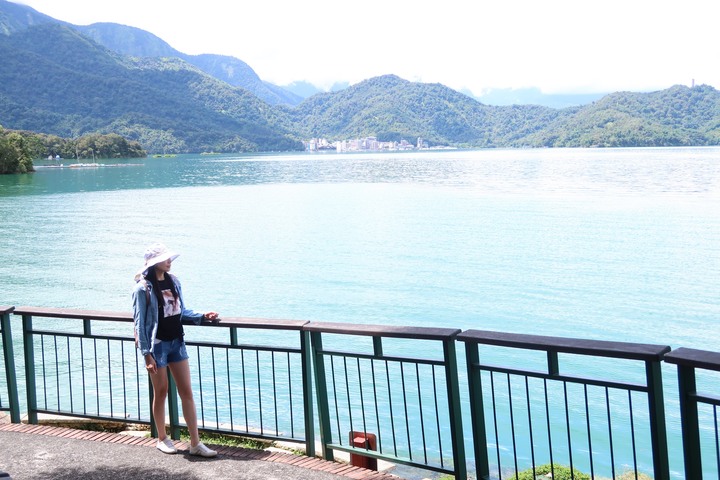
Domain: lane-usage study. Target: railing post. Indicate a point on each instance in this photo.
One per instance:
(10, 373)
(30, 385)
(658, 432)
(477, 411)
(453, 390)
(689, 422)
(306, 365)
(688, 360)
(321, 394)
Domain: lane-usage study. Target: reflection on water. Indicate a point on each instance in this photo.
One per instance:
(549, 171)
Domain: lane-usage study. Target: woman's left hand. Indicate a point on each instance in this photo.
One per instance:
(212, 316)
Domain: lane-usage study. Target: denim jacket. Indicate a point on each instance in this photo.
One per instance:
(146, 316)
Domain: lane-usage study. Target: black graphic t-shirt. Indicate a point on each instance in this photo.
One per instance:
(169, 326)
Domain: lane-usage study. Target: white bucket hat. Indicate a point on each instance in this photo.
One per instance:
(155, 253)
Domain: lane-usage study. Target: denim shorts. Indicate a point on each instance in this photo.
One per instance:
(169, 351)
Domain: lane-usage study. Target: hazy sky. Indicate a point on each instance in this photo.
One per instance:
(559, 46)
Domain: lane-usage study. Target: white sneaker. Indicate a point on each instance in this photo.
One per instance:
(166, 446)
(203, 451)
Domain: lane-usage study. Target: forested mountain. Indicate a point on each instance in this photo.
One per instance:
(676, 116)
(140, 43)
(58, 81)
(394, 109)
(136, 42)
(55, 80)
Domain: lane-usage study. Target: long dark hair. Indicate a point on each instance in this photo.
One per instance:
(151, 277)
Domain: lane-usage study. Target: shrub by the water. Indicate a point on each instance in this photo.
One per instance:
(559, 472)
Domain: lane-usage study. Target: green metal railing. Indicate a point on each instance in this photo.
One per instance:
(557, 417)
(9, 391)
(243, 389)
(696, 404)
(403, 401)
(385, 392)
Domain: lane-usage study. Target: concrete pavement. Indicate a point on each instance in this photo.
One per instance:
(40, 452)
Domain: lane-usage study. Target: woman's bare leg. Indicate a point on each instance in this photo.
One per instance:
(160, 390)
(181, 373)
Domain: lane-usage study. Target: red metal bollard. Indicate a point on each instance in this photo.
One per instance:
(367, 441)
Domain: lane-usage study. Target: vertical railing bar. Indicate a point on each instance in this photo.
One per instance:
(390, 403)
(124, 382)
(322, 397)
(453, 394)
(337, 410)
(44, 373)
(229, 385)
(495, 423)
(347, 392)
(530, 424)
(274, 383)
(512, 422)
(610, 431)
(137, 382)
(632, 433)
(290, 396)
(377, 410)
(215, 389)
(405, 407)
(69, 367)
(547, 417)
(82, 375)
(422, 420)
(200, 387)
(567, 425)
(242, 363)
(30, 374)
(307, 375)
(553, 365)
(289, 380)
(57, 372)
(257, 374)
(362, 401)
(587, 423)
(437, 417)
(110, 383)
(477, 410)
(656, 411)
(10, 372)
(97, 378)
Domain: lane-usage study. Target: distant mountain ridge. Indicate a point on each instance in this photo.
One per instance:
(59, 79)
(136, 42)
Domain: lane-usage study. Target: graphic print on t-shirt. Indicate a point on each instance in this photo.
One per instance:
(171, 304)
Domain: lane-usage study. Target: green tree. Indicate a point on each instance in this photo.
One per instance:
(15, 154)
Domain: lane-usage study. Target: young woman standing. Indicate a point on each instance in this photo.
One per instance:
(159, 313)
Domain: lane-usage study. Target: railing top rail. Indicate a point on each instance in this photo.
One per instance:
(633, 351)
(691, 357)
(227, 322)
(263, 323)
(74, 313)
(420, 333)
(5, 309)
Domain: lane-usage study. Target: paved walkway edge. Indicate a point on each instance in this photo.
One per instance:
(341, 469)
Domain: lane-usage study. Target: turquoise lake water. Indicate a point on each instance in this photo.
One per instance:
(611, 244)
